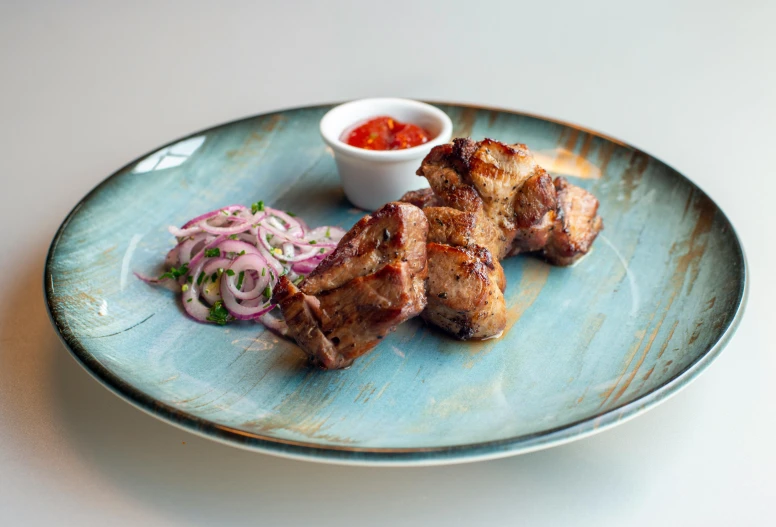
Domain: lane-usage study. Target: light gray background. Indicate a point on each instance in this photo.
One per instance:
(88, 86)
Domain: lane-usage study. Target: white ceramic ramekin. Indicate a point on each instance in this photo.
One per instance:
(372, 178)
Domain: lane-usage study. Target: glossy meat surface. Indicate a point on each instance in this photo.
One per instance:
(373, 281)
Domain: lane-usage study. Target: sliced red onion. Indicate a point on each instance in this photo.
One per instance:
(240, 235)
(238, 225)
(189, 246)
(293, 225)
(191, 302)
(302, 255)
(319, 233)
(172, 258)
(201, 254)
(237, 246)
(211, 290)
(168, 283)
(242, 311)
(212, 213)
(244, 264)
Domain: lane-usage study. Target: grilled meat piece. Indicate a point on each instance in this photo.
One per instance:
(482, 178)
(422, 198)
(577, 224)
(502, 184)
(373, 281)
(396, 232)
(465, 283)
(535, 212)
(461, 229)
(465, 289)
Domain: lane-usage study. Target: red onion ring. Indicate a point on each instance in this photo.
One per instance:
(240, 236)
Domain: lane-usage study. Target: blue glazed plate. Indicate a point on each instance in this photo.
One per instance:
(587, 346)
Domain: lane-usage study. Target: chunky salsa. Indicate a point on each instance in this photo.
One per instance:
(385, 133)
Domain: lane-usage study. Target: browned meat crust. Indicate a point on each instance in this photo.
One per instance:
(576, 226)
(395, 232)
(373, 281)
(482, 178)
(458, 228)
(422, 198)
(535, 213)
(497, 200)
(503, 185)
(465, 295)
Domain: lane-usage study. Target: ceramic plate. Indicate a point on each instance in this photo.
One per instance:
(586, 347)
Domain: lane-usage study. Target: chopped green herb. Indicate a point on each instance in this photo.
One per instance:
(185, 287)
(236, 213)
(200, 278)
(190, 279)
(224, 213)
(175, 272)
(291, 214)
(268, 292)
(299, 279)
(219, 314)
(240, 279)
(229, 272)
(328, 232)
(214, 276)
(233, 236)
(269, 238)
(242, 252)
(189, 300)
(210, 253)
(322, 251)
(313, 242)
(257, 207)
(263, 271)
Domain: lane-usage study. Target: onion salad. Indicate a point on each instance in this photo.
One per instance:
(227, 261)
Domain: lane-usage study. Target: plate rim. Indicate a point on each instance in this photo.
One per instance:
(310, 451)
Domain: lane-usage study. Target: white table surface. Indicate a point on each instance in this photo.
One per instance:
(88, 86)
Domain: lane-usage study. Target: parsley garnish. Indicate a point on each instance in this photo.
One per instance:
(322, 251)
(229, 272)
(313, 242)
(291, 214)
(240, 279)
(190, 279)
(233, 236)
(200, 278)
(214, 276)
(189, 300)
(263, 271)
(328, 232)
(257, 207)
(219, 314)
(268, 292)
(242, 252)
(210, 253)
(175, 272)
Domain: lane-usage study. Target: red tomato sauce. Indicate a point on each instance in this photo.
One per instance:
(385, 133)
